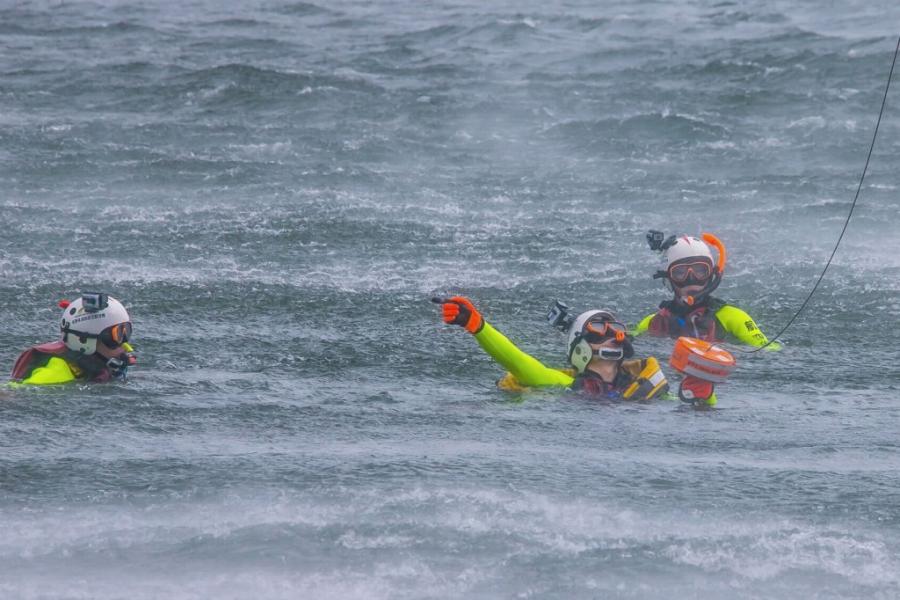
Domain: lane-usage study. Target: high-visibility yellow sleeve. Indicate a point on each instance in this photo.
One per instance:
(55, 371)
(527, 370)
(643, 326)
(742, 327)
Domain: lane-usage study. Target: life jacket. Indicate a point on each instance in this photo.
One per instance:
(91, 367)
(637, 379)
(676, 320)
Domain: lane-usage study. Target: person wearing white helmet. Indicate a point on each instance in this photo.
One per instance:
(598, 348)
(94, 347)
(693, 274)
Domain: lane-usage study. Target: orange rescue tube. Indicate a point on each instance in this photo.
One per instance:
(702, 360)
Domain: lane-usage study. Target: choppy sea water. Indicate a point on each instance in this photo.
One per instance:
(277, 189)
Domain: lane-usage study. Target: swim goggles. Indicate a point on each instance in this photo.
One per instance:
(698, 272)
(116, 335)
(112, 337)
(597, 332)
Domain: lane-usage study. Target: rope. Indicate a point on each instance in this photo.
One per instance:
(849, 214)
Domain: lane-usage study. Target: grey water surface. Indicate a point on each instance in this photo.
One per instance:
(276, 189)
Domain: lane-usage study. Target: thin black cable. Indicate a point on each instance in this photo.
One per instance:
(850, 214)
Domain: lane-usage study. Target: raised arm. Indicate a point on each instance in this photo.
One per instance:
(527, 370)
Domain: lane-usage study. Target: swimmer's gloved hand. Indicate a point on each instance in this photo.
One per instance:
(118, 365)
(460, 311)
(694, 390)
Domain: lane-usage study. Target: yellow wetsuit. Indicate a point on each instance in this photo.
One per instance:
(639, 379)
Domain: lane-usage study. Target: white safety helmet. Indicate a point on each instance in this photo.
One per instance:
(92, 317)
(579, 350)
(688, 247)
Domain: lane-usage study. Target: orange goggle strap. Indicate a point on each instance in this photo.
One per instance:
(720, 247)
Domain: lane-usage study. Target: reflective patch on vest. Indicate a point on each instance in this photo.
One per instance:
(657, 378)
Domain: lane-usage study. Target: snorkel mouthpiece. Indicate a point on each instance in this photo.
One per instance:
(617, 353)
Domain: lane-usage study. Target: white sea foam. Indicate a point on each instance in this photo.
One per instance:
(519, 525)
